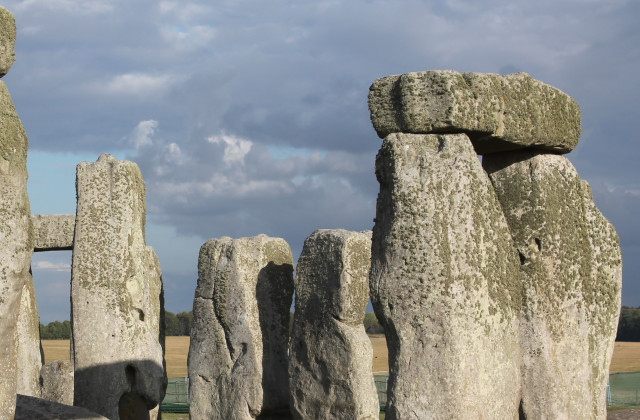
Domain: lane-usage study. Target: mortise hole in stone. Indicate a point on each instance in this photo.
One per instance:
(141, 314)
(538, 244)
(523, 259)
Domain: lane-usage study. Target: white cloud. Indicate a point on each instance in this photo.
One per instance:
(235, 148)
(137, 84)
(49, 266)
(142, 133)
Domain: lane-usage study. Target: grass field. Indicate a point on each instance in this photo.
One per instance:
(626, 356)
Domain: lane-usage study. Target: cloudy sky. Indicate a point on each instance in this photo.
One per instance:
(250, 117)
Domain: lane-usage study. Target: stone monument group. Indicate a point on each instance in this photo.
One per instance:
(497, 280)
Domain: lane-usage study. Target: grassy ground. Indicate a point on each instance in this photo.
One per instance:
(626, 357)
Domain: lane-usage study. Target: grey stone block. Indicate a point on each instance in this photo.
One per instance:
(444, 283)
(497, 112)
(330, 366)
(53, 232)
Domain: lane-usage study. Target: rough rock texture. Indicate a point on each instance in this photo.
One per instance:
(29, 350)
(444, 283)
(571, 266)
(16, 230)
(330, 366)
(497, 112)
(116, 293)
(32, 408)
(7, 40)
(53, 232)
(238, 351)
(56, 378)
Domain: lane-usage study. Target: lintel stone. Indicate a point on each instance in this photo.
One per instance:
(497, 112)
(53, 232)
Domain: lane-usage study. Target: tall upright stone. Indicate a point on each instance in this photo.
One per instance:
(444, 282)
(16, 230)
(116, 294)
(238, 350)
(330, 366)
(29, 349)
(571, 270)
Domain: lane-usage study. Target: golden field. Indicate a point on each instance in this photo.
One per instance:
(626, 356)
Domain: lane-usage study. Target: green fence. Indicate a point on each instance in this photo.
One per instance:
(623, 389)
(381, 388)
(176, 398)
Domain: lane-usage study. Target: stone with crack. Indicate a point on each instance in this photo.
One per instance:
(330, 367)
(238, 351)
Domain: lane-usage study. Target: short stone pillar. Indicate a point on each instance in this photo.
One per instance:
(238, 351)
(29, 348)
(572, 275)
(56, 380)
(330, 367)
(116, 294)
(16, 230)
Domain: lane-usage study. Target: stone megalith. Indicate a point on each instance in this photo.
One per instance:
(497, 112)
(56, 380)
(238, 352)
(53, 232)
(444, 282)
(330, 353)
(116, 294)
(29, 349)
(571, 270)
(16, 230)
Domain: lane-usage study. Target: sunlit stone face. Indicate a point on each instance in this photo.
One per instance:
(7, 40)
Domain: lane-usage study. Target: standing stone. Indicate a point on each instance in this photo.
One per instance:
(330, 367)
(53, 232)
(29, 350)
(238, 351)
(498, 112)
(16, 230)
(56, 378)
(571, 267)
(116, 294)
(444, 283)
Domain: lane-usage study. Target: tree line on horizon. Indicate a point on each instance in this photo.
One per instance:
(180, 325)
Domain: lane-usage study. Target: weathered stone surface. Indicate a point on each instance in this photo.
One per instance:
(32, 408)
(16, 240)
(330, 366)
(238, 351)
(497, 112)
(53, 232)
(29, 350)
(602, 292)
(56, 378)
(444, 283)
(7, 40)
(116, 292)
(571, 267)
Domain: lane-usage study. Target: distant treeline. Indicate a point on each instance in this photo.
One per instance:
(629, 325)
(178, 324)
